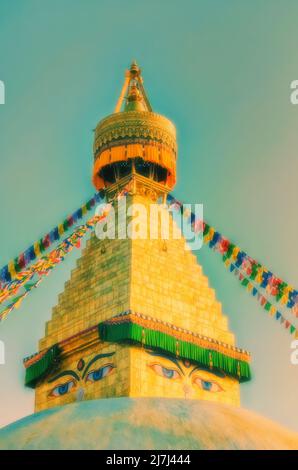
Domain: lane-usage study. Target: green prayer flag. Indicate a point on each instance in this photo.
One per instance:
(16, 265)
(206, 229)
(41, 245)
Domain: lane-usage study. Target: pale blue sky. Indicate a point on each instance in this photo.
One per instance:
(222, 72)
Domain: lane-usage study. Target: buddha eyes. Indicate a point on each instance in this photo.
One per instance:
(165, 372)
(92, 376)
(203, 384)
(207, 385)
(100, 373)
(62, 389)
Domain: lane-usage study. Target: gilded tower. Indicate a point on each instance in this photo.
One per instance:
(137, 317)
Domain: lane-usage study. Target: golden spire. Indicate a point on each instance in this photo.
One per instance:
(133, 91)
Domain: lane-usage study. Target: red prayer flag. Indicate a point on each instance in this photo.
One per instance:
(21, 261)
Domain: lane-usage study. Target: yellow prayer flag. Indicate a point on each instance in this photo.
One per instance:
(209, 235)
(11, 269)
(284, 299)
(60, 229)
(235, 252)
(259, 276)
(272, 310)
(36, 249)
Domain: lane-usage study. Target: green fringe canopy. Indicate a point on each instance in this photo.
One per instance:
(41, 367)
(127, 331)
(134, 333)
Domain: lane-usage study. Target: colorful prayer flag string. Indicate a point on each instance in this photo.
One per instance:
(262, 300)
(275, 286)
(47, 262)
(43, 267)
(35, 251)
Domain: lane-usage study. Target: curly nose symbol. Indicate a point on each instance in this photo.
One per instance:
(80, 394)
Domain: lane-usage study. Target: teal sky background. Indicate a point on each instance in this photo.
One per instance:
(221, 70)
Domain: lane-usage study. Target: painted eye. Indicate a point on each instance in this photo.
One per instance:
(208, 385)
(62, 389)
(165, 372)
(100, 373)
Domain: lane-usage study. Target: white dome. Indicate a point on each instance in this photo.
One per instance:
(146, 423)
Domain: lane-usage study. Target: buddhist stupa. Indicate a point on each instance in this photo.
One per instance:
(138, 353)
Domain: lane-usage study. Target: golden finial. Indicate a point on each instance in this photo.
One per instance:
(133, 91)
(135, 69)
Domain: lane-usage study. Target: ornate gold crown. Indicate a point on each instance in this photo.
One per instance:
(135, 132)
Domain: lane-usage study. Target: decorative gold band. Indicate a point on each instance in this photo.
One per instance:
(181, 334)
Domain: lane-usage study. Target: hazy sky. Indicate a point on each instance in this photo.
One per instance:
(222, 72)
